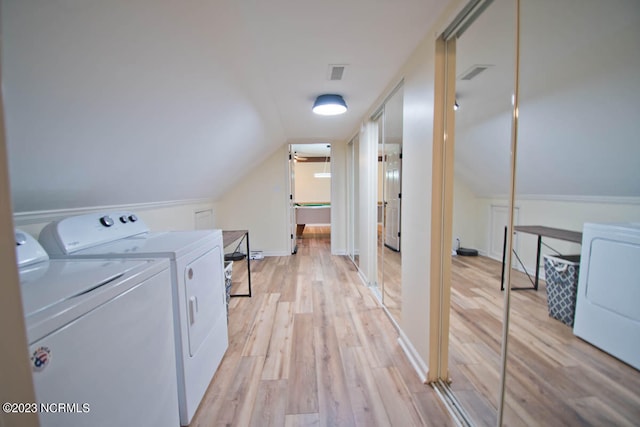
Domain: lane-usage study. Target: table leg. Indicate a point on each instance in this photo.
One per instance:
(248, 264)
(535, 286)
(504, 254)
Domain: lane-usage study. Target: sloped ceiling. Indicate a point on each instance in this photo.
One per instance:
(118, 101)
(580, 86)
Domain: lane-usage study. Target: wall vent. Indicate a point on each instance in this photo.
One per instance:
(336, 71)
(473, 71)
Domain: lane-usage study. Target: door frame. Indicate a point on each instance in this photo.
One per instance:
(291, 199)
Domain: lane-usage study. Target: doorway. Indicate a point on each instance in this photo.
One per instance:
(310, 195)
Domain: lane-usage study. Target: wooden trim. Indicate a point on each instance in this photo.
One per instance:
(441, 210)
(447, 220)
(303, 159)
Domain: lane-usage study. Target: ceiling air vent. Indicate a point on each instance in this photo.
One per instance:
(473, 71)
(336, 71)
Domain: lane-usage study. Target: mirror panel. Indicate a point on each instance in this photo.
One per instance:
(391, 182)
(485, 57)
(353, 191)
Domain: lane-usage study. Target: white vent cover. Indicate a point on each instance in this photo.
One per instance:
(336, 71)
(473, 71)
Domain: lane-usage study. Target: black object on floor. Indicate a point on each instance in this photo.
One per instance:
(234, 256)
(466, 252)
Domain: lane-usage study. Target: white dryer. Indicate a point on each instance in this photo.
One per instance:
(197, 275)
(608, 299)
(100, 345)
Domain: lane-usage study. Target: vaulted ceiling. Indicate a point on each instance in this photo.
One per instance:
(116, 101)
(579, 90)
(119, 101)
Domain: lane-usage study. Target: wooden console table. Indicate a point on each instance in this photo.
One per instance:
(231, 236)
(540, 231)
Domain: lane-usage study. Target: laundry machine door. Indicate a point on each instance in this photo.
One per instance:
(607, 310)
(113, 366)
(205, 299)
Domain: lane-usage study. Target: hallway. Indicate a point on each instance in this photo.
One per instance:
(313, 347)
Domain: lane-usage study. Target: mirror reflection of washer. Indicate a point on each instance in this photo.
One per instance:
(91, 326)
(197, 277)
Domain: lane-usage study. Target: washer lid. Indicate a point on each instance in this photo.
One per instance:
(47, 284)
(170, 244)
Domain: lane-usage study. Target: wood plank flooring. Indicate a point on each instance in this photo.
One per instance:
(553, 377)
(313, 347)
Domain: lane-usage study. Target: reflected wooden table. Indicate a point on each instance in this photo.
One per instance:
(540, 231)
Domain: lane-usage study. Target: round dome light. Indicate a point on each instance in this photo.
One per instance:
(329, 105)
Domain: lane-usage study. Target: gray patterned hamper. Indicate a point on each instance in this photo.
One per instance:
(228, 269)
(561, 272)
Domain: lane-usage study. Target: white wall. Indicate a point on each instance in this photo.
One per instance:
(339, 198)
(417, 158)
(258, 203)
(567, 214)
(416, 195)
(310, 189)
(578, 155)
(117, 102)
(579, 81)
(367, 180)
(465, 212)
(472, 219)
(177, 216)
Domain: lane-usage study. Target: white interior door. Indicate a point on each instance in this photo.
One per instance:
(392, 176)
(292, 198)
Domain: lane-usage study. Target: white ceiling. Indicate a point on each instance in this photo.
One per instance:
(297, 40)
(579, 85)
(114, 102)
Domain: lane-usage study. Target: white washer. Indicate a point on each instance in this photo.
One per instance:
(197, 270)
(608, 299)
(100, 339)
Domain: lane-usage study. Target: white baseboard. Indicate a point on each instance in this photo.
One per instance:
(276, 253)
(409, 350)
(419, 365)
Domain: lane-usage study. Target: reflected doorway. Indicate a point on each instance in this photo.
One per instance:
(389, 201)
(353, 196)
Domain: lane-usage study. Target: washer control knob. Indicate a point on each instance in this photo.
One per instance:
(133, 218)
(124, 219)
(21, 239)
(106, 220)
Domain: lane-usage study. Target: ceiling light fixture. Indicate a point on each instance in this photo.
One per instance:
(324, 173)
(329, 105)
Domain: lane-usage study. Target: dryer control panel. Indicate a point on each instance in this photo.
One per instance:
(80, 232)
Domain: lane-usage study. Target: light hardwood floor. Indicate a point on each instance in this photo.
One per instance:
(553, 377)
(313, 347)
